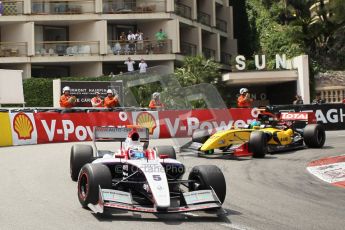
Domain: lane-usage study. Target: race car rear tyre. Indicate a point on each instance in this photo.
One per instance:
(258, 144)
(80, 155)
(200, 136)
(206, 177)
(165, 150)
(90, 178)
(314, 135)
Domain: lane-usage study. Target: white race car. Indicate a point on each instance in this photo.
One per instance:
(139, 179)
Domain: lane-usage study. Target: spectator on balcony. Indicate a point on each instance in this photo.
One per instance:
(142, 66)
(130, 64)
(97, 101)
(112, 99)
(161, 36)
(123, 40)
(66, 99)
(1, 8)
(298, 100)
(318, 100)
(140, 40)
(131, 40)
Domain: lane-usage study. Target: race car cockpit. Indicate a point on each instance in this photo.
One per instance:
(133, 146)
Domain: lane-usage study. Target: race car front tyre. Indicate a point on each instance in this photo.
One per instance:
(91, 177)
(206, 177)
(258, 144)
(165, 150)
(314, 135)
(80, 155)
(200, 136)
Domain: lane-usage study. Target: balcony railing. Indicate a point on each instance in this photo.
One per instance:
(183, 10)
(67, 48)
(133, 6)
(10, 8)
(116, 47)
(225, 58)
(13, 49)
(221, 25)
(62, 7)
(209, 53)
(188, 49)
(204, 18)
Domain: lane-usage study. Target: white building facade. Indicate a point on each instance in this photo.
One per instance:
(59, 38)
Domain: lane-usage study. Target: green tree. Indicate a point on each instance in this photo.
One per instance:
(198, 69)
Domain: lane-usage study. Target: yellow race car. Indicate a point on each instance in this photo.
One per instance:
(271, 133)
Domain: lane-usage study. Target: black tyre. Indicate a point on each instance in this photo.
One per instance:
(207, 176)
(165, 150)
(314, 135)
(258, 144)
(200, 136)
(80, 155)
(92, 176)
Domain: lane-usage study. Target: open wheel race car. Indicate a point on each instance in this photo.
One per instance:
(136, 178)
(271, 133)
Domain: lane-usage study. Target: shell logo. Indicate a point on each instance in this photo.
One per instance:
(147, 120)
(23, 126)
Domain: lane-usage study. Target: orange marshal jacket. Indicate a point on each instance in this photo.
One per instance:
(242, 102)
(64, 103)
(155, 104)
(110, 102)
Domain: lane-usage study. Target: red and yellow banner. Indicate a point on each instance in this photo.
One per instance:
(50, 127)
(5, 130)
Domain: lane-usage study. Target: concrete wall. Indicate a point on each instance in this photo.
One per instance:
(301, 63)
(19, 32)
(92, 69)
(171, 27)
(224, 13)
(90, 31)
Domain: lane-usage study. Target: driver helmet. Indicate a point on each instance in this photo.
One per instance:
(135, 149)
(244, 90)
(136, 153)
(255, 124)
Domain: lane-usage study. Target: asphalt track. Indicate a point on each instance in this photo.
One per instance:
(272, 193)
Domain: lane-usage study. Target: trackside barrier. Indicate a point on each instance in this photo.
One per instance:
(332, 116)
(38, 126)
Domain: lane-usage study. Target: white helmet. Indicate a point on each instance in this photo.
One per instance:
(156, 95)
(110, 91)
(66, 88)
(243, 90)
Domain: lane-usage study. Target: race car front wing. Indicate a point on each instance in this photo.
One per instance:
(195, 201)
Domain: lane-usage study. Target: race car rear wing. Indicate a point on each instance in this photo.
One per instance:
(106, 133)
